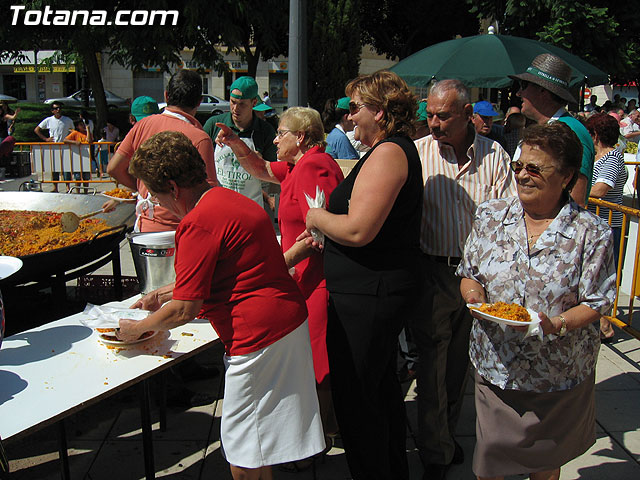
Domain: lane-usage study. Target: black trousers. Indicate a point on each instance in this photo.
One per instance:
(362, 336)
(441, 334)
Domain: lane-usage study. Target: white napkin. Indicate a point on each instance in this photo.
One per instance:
(318, 202)
(534, 329)
(101, 316)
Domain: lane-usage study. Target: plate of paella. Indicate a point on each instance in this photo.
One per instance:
(505, 313)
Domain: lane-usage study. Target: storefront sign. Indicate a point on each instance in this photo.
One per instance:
(192, 65)
(278, 67)
(236, 66)
(44, 69)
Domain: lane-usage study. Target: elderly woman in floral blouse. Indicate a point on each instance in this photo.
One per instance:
(535, 397)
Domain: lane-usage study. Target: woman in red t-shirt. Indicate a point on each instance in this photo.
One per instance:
(229, 269)
(303, 168)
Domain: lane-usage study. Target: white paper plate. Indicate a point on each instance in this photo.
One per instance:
(107, 341)
(118, 199)
(534, 316)
(9, 266)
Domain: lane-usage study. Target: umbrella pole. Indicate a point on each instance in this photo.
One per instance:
(582, 90)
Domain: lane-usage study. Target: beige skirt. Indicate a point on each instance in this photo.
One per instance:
(270, 410)
(522, 432)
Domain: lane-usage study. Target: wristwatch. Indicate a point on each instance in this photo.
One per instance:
(563, 327)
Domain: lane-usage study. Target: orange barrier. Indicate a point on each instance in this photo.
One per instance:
(80, 163)
(627, 214)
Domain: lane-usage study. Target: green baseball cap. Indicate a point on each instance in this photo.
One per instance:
(262, 107)
(421, 114)
(247, 86)
(144, 106)
(343, 103)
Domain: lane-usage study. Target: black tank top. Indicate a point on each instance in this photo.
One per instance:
(395, 251)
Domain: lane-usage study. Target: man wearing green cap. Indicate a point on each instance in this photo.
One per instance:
(183, 95)
(257, 134)
(422, 127)
(338, 143)
(144, 106)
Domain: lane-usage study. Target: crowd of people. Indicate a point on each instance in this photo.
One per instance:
(445, 207)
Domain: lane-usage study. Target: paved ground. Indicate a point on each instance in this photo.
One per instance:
(105, 439)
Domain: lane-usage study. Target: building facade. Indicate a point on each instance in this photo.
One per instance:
(28, 81)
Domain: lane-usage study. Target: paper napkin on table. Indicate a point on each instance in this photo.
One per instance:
(101, 316)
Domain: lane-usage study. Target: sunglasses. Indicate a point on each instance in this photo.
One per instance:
(523, 84)
(55, 108)
(531, 168)
(355, 107)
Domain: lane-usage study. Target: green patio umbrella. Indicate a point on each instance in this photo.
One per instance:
(485, 61)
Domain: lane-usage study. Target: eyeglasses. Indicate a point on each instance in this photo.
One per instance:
(355, 107)
(282, 133)
(531, 168)
(523, 84)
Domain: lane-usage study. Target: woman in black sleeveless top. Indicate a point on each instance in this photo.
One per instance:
(371, 262)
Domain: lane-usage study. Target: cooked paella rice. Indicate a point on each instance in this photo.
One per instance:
(24, 232)
(508, 311)
(120, 193)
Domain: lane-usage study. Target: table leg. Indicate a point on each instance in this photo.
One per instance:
(117, 272)
(62, 450)
(4, 462)
(147, 439)
(163, 401)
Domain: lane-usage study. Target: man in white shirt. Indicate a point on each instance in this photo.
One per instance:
(630, 126)
(59, 127)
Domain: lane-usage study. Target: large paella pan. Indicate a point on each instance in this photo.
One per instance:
(42, 266)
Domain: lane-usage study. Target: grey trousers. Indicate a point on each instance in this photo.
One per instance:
(441, 334)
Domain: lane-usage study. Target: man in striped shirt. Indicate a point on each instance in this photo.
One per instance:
(461, 170)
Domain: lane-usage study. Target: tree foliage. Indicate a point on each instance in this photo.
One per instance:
(334, 46)
(129, 45)
(398, 28)
(254, 30)
(600, 31)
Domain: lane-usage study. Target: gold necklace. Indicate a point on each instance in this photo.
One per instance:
(532, 238)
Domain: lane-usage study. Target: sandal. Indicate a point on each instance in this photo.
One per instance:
(297, 466)
(330, 441)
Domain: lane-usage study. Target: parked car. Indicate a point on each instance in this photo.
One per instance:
(76, 100)
(210, 105)
(213, 105)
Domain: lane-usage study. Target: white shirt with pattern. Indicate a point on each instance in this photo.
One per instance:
(570, 264)
(452, 194)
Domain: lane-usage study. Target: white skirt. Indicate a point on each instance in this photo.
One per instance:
(270, 411)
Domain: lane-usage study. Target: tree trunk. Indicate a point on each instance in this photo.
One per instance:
(252, 59)
(90, 62)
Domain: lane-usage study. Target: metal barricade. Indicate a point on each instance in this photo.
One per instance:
(628, 214)
(55, 162)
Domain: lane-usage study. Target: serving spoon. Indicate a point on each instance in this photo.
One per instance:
(70, 220)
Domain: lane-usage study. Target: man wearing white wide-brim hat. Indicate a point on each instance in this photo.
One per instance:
(544, 89)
